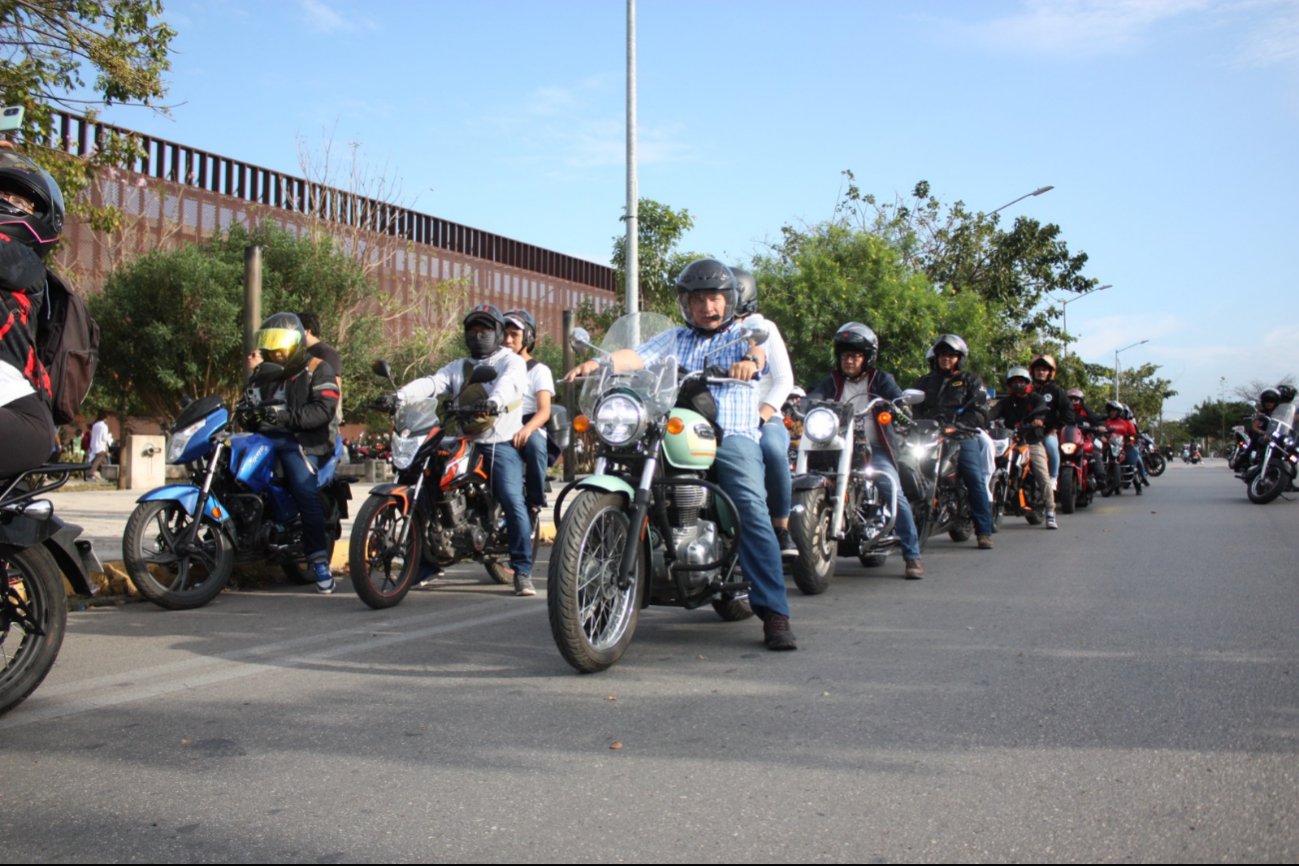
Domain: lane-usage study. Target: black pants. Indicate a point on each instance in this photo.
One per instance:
(27, 431)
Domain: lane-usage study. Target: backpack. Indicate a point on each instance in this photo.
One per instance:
(67, 341)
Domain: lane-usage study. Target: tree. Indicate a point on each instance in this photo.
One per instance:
(967, 251)
(48, 47)
(659, 230)
(172, 321)
(1213, 419)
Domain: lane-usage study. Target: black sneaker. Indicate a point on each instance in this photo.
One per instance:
(788, 549)
(776, 634)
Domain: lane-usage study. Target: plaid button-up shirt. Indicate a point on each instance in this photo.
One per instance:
(737, 403)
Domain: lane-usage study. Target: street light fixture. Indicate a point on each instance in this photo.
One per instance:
(1116, 366)
(1064, 310)
(1038, 191)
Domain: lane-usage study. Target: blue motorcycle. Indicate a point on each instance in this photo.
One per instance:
(180, 554)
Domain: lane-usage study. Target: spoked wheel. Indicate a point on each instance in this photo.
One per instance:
(592, 618)
(1267, 483)
(383, 568)
(167, 571)
(810, 525)
(33, 616)
(1155, 464)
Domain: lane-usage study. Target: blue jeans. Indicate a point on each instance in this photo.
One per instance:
(534, 465)
(976, 486)
(505, 472)
(739, 471)
(905, 525)
(775, 460)
(300, 475)
(1052, 443)
(1132, 457)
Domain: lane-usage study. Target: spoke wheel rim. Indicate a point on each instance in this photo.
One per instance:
(604, 611)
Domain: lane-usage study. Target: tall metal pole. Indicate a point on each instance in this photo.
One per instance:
(633, 193)
(252, 297)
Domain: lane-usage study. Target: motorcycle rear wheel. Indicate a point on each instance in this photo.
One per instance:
(592, 619)
(809, 524)
(383, 569)
(1267, 484)
(1155, 464)
(169, 579)
(34, 620)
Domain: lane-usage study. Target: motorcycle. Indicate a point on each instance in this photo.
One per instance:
(1240, 456)
(650, 525)
(182, 540)
(1155, 463)
(1278, 463)
(1117, 474)
(1019, 494)
(1076, 485)
(929, 465)
(843, 504)
(37, 550)
(440, 510)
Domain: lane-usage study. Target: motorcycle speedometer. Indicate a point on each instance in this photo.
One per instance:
(620, 419)
(821, 425)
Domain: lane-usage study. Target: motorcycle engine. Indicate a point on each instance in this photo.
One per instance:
(694, 539)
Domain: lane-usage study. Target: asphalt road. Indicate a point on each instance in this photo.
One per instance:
(1124, 689)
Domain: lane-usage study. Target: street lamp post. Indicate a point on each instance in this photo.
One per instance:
(1116, 366)
(1064, 310)
(1038, 191)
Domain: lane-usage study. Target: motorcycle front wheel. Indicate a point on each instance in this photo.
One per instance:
(32, 622)
(166, 575)
(809, 523)
(592, 619)
(1267, 483)
(1155, 464)
(1066, 492)
(383, 568)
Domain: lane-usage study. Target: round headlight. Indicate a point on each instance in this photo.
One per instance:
(620, 420)
(821, 425)
(1068, 448)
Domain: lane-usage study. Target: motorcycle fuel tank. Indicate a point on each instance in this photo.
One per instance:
(690, 442)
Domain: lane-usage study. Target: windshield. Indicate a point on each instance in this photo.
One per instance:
(417, 416)
(1282, 417)
(656, 384)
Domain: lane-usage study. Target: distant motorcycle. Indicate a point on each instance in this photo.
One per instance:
(1155, 463)
(1278, 463)
(1077, 482)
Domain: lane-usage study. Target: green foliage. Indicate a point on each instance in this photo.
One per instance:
(1213, 419)
(172, 321)
(659, 229)
(49, 47)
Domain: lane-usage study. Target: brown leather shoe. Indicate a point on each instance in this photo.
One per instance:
(985, 542)
(776, 634)
(915, 570)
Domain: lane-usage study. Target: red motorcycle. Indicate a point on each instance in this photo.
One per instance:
(1079, 469)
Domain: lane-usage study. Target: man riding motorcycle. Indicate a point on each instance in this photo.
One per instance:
(1059, 412)
(856, 376)
(952, 394)
(1024, 408)
(1128, 430)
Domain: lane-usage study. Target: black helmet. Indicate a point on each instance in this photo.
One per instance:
(282, 340)
(1269, 395)
(953, 344)
(31, 203)
(489, 315)
(1114, 406)
(747, 287)
(1287, 393)
(523, 320)
(707, 275)
(856, 337)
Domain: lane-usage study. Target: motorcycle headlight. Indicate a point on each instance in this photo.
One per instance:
(821, 426)
(180, 440)
(1069, 448)
(620, 420)
(403, 450)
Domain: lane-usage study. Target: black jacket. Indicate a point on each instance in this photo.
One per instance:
(958, 397)
(1018, 410)
(22, 297)
(1059, 411)
(307, 401)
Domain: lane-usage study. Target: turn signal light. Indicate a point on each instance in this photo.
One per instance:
(676, 425)
(885, 418)
(581, 423)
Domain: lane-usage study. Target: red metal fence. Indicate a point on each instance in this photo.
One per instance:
(174, 194)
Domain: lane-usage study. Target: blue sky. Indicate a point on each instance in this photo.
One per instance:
(1169, 129)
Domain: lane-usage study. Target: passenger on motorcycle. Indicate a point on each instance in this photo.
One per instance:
(31, 219)
(773, 389)
(709, 297)
(1024, 408)
(1082, 414)
(485, 339)
(1128, 430)
(1059, 412)
(291, 399)
(951, 394)
(856, 378)
(531, 440)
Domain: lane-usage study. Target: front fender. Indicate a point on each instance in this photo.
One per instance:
(809, 482)
(187, 496)
(607, 483)
(400, 492)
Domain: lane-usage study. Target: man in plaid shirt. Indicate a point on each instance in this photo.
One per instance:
(707, 293)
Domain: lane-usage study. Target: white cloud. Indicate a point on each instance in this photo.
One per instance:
(1080, 28)
(1274, 34)
(324, 18)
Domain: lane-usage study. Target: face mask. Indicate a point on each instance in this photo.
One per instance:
(481, 344)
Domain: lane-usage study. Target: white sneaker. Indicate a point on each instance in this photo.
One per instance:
(1050, 521)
